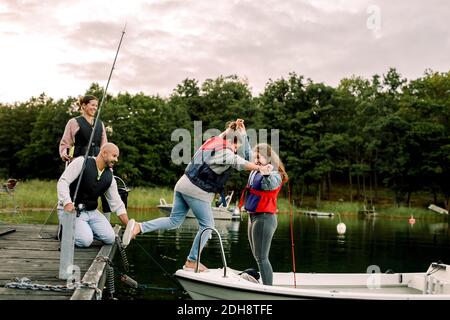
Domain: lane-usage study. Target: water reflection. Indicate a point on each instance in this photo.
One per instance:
(389, 243)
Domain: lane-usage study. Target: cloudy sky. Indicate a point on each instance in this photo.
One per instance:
(60, 47)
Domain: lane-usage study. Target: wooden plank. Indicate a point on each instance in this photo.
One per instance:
(34, 245)
(20, 266)
(30, 274)
(96, 272)
(49, 255)
(5, 231)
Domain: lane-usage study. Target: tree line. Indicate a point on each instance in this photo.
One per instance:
(364, 133)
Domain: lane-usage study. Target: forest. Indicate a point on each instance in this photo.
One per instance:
(363, 134)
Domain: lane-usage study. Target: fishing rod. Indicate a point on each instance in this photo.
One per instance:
(96, 122)
(291, 226)
(91, 137)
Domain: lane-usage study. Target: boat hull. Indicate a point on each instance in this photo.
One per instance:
(399, 286)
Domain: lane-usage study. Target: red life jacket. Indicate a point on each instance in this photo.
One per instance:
(199, 172)
(258, 200)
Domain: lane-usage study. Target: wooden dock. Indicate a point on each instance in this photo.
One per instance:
(24, 254)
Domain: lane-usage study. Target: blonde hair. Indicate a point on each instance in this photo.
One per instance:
(272, 157)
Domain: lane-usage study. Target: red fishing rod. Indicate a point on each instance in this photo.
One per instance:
(291, 224)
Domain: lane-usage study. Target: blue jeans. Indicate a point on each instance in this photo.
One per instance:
(91, 225)
(260, 233)
(181, 205)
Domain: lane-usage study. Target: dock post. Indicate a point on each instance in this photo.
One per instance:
(67, 245)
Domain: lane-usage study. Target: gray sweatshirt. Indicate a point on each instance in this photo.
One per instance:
(219, 163)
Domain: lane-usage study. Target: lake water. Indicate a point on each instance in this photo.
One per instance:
(368, 242)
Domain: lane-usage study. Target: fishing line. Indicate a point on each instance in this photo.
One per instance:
(97, 117)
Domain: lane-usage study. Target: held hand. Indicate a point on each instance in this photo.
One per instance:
(265, 170)
(69, 207)
(65, 157)
(240, 126)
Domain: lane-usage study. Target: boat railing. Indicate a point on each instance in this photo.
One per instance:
(221, 248)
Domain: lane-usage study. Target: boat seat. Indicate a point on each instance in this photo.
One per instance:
(417, 282)
(434, 283)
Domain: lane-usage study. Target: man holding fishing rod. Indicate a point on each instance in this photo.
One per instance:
(96, 179)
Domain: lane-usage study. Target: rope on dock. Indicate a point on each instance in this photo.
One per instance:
(26, 284)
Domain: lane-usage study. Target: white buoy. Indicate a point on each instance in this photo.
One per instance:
(341, 228)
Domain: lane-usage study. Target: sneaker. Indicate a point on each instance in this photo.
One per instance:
(128, 234)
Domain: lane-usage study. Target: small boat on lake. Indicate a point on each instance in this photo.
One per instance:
(220, 212)
(368, 212)
(226, 283)
(317, 213)
(230, 284)
(437, 209)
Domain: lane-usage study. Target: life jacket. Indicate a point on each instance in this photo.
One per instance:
(199, 172)
(257, 199)
(83, 135)
(90, 187)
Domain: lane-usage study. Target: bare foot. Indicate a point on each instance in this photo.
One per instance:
(193, 264)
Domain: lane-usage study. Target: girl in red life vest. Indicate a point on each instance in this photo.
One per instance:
(261, 204)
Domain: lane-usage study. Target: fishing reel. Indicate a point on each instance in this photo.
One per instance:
(80, 207)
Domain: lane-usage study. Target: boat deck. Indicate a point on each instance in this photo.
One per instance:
(382, 290)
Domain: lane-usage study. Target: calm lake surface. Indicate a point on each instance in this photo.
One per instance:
(387, 243)
(390, 244)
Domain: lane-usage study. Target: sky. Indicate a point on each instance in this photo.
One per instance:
(60, 47)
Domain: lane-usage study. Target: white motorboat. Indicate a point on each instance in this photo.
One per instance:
(220, 212)
(229, 284)
(434, 284)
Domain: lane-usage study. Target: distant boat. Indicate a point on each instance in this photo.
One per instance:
(437, 209)
(220, 212)
(317, 213)
(368, 212)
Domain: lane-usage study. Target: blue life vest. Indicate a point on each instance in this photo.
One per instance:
(199, 172)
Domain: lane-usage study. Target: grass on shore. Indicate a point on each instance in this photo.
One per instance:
(42, 194)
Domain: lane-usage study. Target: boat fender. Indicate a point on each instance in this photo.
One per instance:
(250, 274)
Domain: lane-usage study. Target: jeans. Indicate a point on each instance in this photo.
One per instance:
(91, 225)
(260, 233)
(181, 205)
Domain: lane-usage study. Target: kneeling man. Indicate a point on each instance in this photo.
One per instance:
(97, 180)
